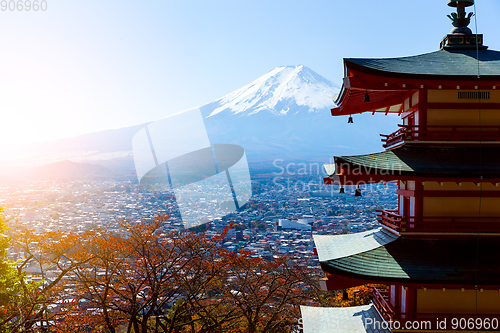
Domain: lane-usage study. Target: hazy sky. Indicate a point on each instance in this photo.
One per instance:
(87, 65)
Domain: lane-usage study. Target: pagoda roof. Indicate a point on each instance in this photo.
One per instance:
(456, 63)
(347, 319)
(440, 261)
(338, 246)
(423, 161)
(389, 81)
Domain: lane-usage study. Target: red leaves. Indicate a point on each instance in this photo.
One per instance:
(133, 276)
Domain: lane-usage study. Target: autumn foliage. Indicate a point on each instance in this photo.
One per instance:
(361, 295)
(136, 278)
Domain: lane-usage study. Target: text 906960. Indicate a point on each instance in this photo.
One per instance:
(23, 5)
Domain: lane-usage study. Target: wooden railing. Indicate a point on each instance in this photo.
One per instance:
(381, 302)
(392, 220)
(409, 133)
(396, 137)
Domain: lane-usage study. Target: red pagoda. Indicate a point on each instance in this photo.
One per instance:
(437, 257)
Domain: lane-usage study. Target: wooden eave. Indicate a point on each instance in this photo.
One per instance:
(418, 163)
(387, 89)
(338, 280)
(373, 178)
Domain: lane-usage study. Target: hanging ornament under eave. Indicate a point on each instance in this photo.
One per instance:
(366, 99)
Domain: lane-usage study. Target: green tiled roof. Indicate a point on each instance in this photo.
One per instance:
(386, 160)
(441, 63)
(429, 161)
(424, 261)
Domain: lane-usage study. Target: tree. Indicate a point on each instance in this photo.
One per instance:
(137, 274)
(135, 278)
(361, 295)
(11, 292)
(264, 293)
(145, 281)
(51, 257)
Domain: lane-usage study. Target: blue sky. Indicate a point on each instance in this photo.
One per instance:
(88, 65)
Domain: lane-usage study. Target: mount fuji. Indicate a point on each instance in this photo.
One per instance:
(285, 114)
(282, 91)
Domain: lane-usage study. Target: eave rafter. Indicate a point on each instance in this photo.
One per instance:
(353, 102)
(386, 91)
(337, 280)
(367, 178)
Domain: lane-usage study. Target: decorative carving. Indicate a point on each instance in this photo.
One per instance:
(459, 19)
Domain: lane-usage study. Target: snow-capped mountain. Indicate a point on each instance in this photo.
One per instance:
(281, 91)
(285, 114)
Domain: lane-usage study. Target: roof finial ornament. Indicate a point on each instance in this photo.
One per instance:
(461, 37)
(459, 19)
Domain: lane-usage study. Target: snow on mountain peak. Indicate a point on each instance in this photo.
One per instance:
(279, 91)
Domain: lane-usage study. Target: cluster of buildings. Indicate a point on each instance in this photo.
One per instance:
(275, 219)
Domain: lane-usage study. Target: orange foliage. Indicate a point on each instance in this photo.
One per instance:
(361, 295)
(136, 279)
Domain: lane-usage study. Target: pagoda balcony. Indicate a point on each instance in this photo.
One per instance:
(438, 133)
(391, 219)
(442, 224)
(381, 301)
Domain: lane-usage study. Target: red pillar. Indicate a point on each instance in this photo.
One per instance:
(408, 301)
